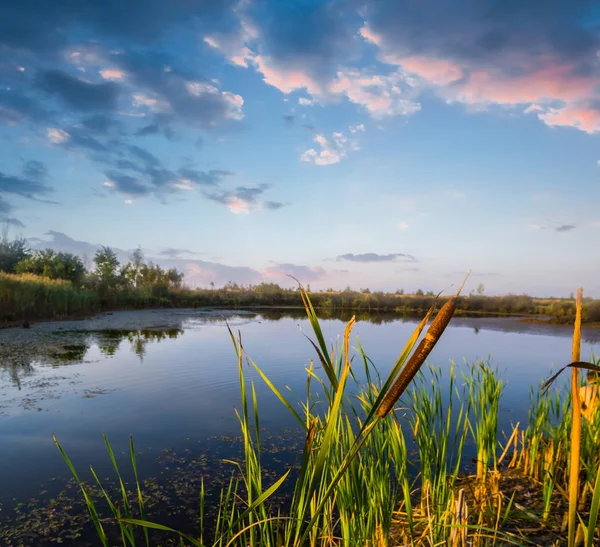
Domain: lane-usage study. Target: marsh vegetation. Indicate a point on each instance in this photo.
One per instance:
(415, 457)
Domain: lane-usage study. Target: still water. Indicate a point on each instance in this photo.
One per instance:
(170, 378)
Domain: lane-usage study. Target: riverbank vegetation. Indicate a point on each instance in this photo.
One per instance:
(36, 285)
(416, 458)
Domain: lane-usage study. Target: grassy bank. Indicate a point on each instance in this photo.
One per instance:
(31, 297)
(384, 461)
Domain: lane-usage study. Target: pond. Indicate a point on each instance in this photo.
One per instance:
(170, 379)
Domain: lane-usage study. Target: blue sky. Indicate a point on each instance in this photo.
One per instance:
(373, 144)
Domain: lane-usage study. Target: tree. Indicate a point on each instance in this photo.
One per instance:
(53, 265)
(12, 252)
(107, 264)
(132, 271)
(174, 278)
(480, 289)
(420, 293)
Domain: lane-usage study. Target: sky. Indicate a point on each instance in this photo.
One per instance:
(384, 144)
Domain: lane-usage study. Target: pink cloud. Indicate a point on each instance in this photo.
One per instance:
(370, 36)
(112, 74)
(549, 82)
(580, 117)
(554, 89)
(436, 71)
(284, 79)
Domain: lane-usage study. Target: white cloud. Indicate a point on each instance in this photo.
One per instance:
(57, 136)
(302, 101)
(234, 102)
(537, 227)
(357, 128)
(330, 150)
(402, 226)
(533, 108)
(128, 201)
(140, 100)
(109, 183)
(381, 96)
(184, 184)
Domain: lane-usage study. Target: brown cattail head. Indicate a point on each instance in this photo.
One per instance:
(409, 371)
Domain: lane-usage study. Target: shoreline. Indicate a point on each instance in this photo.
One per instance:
(416, 312)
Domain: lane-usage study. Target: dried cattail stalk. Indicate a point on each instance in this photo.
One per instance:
(576, 426)
(417, 359)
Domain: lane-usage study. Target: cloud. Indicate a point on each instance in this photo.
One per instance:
(566, 227)
(305, 274)
(508, 54)
(380, 95)
(213, 177)
(175, 253)
(35, 170)
(126, 184)
(113, 74)
(289, 119)
(40, 29)
(200, 273)
(57, 136)
(243, 199)
(79, 94)
(5, 207)
(374, 257)
(331, 150)
(60, 241)
(16, 107)
(537, 227)
(311, 55)
(189, 99)
(402, 226)
(26, 186)
(197, 272)
(10, 221)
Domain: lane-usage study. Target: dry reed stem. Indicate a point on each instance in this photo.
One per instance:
(576, 427)
(509, 442)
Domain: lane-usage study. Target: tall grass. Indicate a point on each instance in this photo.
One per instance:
(28, 296)
(382, 459)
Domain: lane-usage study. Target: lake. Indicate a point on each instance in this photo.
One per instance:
(170, 378)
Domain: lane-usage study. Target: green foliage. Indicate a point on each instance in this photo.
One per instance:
(53, 265)
(107, 265)
(11, 253)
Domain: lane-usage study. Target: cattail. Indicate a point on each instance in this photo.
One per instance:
(417, 359)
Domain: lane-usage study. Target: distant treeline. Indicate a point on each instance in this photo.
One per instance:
(47, 285)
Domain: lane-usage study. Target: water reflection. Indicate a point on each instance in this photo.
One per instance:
(59, 344)
(68, 348)
(109, 341)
